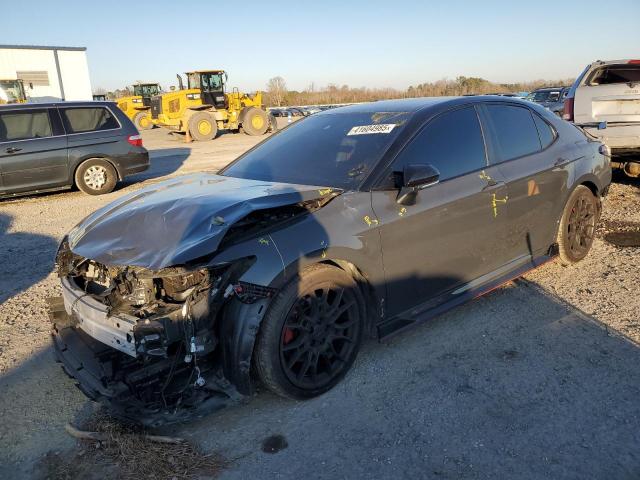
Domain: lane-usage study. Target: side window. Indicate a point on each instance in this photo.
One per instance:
(514, 131)
(452, 142)
(88, 119)
(546, 133)
(24, 125)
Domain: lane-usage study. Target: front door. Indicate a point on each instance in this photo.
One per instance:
(32, 155)
(454, 232)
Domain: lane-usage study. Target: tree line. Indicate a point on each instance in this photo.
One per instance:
(277, 93)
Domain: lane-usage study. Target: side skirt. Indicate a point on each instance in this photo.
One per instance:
(451, 299)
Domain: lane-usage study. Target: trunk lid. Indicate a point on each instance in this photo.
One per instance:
(610, 93)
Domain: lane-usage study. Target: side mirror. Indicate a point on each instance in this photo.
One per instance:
(414, 179)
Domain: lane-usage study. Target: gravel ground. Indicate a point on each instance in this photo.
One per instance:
(539, 379)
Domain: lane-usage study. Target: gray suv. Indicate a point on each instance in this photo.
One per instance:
(604, 101)
(52, 146)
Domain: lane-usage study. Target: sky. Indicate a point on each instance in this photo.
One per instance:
(359, 43)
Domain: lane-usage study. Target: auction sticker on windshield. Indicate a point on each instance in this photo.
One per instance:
(369, 129)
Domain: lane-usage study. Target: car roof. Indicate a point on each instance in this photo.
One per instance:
(85, 103)
(412, 105)
(615, 62)
(400, 105)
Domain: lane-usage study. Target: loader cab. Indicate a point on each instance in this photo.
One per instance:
(12, 91)
(146, 91)
(211, 86)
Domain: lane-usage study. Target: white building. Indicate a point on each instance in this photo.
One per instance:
(49, 73)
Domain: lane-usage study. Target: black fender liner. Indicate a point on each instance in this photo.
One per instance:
(238, 330)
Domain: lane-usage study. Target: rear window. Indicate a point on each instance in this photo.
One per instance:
(514, 131)
(88, 119)
(335, 149)
(613, 74)
(545, 132)
(24, 125)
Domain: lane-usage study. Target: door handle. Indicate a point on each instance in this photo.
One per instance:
(12, 150)
(493, 185)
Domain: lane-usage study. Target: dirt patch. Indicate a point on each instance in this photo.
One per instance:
(127, 454)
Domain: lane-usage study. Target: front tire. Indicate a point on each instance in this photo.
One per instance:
(577, 225)
(311, 333)
(96, 177)
(255, 121)
(203, 127)
(142, 121)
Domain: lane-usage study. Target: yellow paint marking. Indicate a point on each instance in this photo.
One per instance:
(494, 203)
(402, 211)
(483, 176)
(324, 254)
(263, 241)
(326, 191)
(369, 221)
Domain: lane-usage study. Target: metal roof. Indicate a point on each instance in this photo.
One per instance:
(41, 47)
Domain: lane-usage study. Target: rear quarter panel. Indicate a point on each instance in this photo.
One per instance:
(111, 145)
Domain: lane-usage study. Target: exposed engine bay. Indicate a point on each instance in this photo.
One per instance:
(163, 327)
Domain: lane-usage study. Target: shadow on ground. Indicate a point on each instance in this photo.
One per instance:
(17, 247)
(164, 161)
(514, 385)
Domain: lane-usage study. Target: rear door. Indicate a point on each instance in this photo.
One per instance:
(454, 232)
(536, 166)
(33, 150)
(609, 93)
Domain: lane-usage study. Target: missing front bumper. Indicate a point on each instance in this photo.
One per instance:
(93, 317)
(129, 388)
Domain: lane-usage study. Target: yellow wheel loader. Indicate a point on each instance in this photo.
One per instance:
(12, 91)
(204, 107)
(137, 106)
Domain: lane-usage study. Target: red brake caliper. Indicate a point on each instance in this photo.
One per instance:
(287, 336)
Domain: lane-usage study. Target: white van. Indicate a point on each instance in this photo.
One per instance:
(605, 102)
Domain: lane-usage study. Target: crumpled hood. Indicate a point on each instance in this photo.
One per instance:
(178, 220)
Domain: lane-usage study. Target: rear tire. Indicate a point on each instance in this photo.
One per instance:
(311, 334)
(96, 177)
(577, 225)
(202, 126)
(255, 121)
(142, 121)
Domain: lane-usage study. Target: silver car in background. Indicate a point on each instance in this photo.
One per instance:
(605, 102)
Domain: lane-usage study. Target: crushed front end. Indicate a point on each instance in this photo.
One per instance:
(145, 343)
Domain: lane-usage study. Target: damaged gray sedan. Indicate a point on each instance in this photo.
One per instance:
(181, 297)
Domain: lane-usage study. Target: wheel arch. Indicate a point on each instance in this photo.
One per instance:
(93, 157)
(240, 323)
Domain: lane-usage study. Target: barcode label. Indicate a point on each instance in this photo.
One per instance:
(370, 129)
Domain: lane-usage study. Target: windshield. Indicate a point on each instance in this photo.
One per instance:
(545, 96)
(11, 91)
(334, 150)
(146, 90)
(211, 82)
